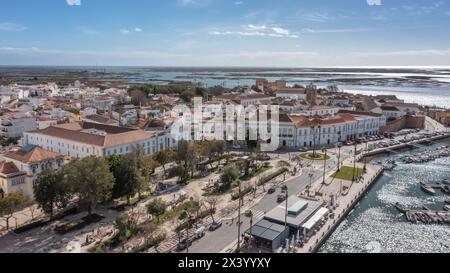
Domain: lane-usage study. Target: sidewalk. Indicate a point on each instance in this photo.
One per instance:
(344, 204)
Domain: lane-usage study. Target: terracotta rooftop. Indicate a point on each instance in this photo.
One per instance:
(114, 136)
(8, 168)
(36, 154)
(303, 121)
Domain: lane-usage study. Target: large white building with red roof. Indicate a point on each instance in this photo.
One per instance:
(20, 168)
(325, 131)
(83, 139)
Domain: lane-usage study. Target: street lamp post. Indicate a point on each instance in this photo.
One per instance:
(285, 189)
(320, 134)
(354, 162)
(313, 127)
(339, 151)
(367, 152)
(239, 217)
(324, 164)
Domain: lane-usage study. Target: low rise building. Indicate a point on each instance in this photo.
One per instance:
(20, 168)
(13, 124)
(83, 139)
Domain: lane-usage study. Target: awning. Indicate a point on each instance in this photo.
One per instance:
(316, 218)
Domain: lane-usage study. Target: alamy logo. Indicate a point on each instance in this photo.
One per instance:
(228, 123)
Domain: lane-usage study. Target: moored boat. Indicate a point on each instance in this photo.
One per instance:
(428, 190)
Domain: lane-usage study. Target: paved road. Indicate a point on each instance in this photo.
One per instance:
(217, 241)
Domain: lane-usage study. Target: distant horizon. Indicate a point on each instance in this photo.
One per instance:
(231, 66)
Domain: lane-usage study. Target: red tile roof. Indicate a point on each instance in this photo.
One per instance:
(8, 168)
(37, 154)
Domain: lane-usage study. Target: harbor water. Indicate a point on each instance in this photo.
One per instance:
(375, 225)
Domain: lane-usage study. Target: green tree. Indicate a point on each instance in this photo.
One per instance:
(230, 174)
(148, 166)
(51, 191)
(10, 204)
(157, 208)
(186, 157)
(284, 164)
(212, 149)
(92, 181)
(249, 214)
(193, 207)
(187, 96)
(127, 226)
(127, 176)
(115, 162)
(164, 157)
(212, 201)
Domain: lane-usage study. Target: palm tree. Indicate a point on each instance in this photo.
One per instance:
(239, 185)
(285, 190)
(249, 214)
(183, 216)
(284, 164)
(339, 153)
(313, 127)
(324, 150)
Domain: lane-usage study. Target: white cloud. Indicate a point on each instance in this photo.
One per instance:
(318, 17)
(374, 2)
(405, 53)
(337, 30)
(201, 3)
(73, 2)
(255, 27)
(126, 31)
(12, 27)
(15, 55)
(259, 31)
(238, 3)
(87, 30)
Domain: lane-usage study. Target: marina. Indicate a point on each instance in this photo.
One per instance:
(428, 155)
(428, 217)
(431, 187)
(396, 215)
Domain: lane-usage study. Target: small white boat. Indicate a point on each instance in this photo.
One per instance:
(428, 190)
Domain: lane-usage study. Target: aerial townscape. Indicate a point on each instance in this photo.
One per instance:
(94, 166)
(233, 143)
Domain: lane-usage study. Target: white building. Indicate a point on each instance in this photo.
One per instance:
(389, 112)
(320, 110)
(13, 125)
(19, 169)
(85, 139)
(292, 93)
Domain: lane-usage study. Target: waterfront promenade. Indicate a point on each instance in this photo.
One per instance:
(345, 200)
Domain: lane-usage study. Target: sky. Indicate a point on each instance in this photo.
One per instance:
(270, 33)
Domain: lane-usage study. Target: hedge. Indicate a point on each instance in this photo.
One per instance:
(274, 175)
(149, 243)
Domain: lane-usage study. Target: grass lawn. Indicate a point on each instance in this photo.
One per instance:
(346, 173)
(261, 170)
(310, 156)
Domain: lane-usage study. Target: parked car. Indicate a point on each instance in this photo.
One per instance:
(271, 191)
(199, 233)
(215, 226)
(281, 198)
(184, 244)
(302, 149)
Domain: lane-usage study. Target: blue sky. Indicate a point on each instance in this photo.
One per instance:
(293, 33)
